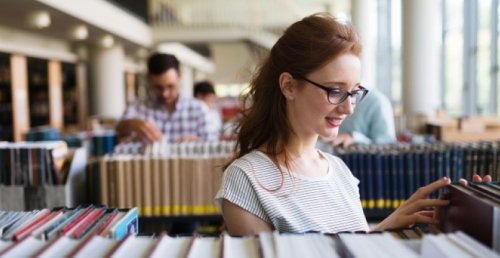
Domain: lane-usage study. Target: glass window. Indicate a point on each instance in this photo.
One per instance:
(453, 54)
(484, 56)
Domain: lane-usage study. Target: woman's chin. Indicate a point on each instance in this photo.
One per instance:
(330, 135)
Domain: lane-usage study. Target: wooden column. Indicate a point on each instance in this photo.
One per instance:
(55, 95)
(20, 106)
(81, 85)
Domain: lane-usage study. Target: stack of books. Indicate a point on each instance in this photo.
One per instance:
(264, 245)
(33, 163)
(25, 232)
(475, 210)
(389, 174)
(174, 179)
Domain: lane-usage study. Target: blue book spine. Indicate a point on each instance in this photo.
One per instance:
(370, 182)
(394, 183)
(417, 169)
(387, 180)
(129, 224)
(401, 178)
(379, 181)
(410, 174)
(358, 172)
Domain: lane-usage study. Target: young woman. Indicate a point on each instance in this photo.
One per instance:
(279, 180)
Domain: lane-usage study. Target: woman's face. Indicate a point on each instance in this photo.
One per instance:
(309, 110)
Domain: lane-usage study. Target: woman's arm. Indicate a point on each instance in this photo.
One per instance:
(413, 210)
(241, 222)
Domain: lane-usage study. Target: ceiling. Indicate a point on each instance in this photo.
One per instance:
(15, 14)
(269, 15)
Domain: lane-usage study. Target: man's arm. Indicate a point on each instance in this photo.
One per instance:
(146, 131)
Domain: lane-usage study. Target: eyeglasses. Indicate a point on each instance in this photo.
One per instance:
(336, 96)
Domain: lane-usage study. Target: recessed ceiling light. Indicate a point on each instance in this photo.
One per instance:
(40, 19)
(107, 41)
(80, 32)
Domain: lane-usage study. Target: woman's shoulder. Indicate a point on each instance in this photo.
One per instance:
(252, 159)
(340, 168)
(336, 161)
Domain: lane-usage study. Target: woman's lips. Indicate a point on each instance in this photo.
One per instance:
(334, 122)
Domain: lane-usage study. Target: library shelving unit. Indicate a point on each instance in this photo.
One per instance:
(6, 122)
(38, 92)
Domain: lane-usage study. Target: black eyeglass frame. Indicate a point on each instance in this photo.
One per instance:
(328, 90)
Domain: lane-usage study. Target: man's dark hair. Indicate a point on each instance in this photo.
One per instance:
(203, 88)
(159, 63)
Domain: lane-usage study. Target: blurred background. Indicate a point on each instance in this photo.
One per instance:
(60, 60)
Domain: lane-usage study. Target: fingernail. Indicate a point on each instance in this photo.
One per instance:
(445, 178)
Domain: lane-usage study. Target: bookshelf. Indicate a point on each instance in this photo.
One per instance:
(6, 119)
(38, 92)
(70, 97)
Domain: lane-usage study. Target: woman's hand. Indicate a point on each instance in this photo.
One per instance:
(412, 210)
(476, 179)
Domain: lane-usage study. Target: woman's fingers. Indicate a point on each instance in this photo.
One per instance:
(419, 205)
(476, 179)
(424, 191)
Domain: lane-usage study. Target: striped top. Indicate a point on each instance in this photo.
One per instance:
(327, 204)
(189, 118)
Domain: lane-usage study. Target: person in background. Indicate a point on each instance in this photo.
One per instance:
(278, 180)
(167, 114)
(371, 123)
(204, 91)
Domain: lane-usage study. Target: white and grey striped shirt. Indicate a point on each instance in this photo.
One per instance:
(327, 204)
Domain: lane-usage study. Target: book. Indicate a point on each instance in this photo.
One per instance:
(482, 223)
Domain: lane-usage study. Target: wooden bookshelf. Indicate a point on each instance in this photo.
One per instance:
(6, 119)
(70, 97)
(38, 92)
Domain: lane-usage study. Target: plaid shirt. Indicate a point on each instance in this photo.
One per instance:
(189, 117)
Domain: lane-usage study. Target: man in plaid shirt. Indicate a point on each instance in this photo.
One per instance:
(168, 114)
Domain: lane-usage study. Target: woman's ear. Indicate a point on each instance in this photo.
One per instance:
(287, 81)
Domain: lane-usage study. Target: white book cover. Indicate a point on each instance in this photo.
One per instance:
(26, 248)
(439, 246)
(240, 247)
(267, 245)
(97, 247)
(134, 247)
(205, 247)
(175, 247)
(62, 247)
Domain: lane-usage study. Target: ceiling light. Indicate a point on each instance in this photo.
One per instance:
(39, 19)
(107, 41)
(80, 32)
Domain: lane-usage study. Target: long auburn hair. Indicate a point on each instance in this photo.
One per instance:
(305, 46)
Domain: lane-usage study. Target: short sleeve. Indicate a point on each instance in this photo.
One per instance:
(237, 189)
(346, 172)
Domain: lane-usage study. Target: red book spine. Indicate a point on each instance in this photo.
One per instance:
(73, 224)
(95, 214)
(100, 231)
(26, 231)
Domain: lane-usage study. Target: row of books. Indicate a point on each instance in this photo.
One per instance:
(389, 174)
(475, 210)
(158, 185)
(187, 149)
(102, 143)
(76, 223)
(33, 163)
(264, 245)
